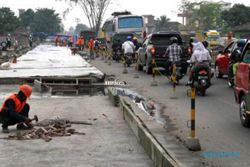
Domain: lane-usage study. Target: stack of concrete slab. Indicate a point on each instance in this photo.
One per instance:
(50, 61)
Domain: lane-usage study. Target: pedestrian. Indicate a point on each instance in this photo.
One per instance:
(229, 39)
(8, 40)
(15, 110)
(30, 40)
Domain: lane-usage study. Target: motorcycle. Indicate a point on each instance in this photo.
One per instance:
(117, 54)
(201, 79)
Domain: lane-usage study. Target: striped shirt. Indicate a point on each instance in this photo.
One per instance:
(173, 52)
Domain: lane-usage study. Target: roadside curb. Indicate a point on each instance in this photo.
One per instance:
(152, 147)
(163, 148)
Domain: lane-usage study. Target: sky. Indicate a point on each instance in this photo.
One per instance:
(140, 7)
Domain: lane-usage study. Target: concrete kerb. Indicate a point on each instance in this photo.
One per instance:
(152, 147)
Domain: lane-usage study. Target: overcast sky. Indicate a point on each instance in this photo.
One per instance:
(141, 7)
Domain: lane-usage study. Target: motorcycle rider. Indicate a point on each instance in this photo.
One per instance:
(173, 52)
(128, 49)
(200, 59)
(234, 58)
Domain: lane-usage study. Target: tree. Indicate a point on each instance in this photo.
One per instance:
(46, 20)
(79, 28)
(208, 16)
(237, 15)
(161, 23)
(26, 18)
(8, 21)
(202, 14)
(94, 10)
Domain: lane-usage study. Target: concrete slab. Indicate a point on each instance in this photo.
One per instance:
(108, 142)
(47, 60)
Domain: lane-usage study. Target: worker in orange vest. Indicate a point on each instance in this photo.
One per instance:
(91, 48)
(15, 110)
(80, 42)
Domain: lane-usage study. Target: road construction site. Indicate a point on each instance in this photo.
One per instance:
(132, 134)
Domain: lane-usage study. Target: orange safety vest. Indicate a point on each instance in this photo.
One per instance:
(91, 44)
(79, 41)
(19, 104)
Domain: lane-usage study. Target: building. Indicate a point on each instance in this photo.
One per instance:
(149, 23)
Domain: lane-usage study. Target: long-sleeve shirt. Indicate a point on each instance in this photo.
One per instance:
(10, 108)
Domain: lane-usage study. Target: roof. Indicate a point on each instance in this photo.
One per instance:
(242, 27)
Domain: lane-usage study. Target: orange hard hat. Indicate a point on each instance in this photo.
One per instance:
(26, 89)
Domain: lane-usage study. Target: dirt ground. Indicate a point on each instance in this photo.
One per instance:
(108, 142)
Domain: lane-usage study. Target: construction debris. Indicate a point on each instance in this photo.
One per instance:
(48, 129)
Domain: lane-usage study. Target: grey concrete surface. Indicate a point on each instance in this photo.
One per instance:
(109, 142)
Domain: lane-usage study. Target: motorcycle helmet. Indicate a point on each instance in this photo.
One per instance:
(173, 40)
(241, 43)
(205, 44)
(129, 38)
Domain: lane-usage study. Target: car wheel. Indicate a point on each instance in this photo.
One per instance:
(244, 117)
(217, 72)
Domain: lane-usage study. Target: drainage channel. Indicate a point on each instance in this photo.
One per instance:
(85, 86)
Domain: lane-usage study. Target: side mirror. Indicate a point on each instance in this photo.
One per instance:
(150, 42)
(238, 55)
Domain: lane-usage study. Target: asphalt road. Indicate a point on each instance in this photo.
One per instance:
(217, 118)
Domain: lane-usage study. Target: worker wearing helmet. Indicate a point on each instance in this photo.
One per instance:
(15, 110)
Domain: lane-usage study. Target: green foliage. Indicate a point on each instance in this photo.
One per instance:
(8, 21)
(46, 20)
(208, 16)
(80, 27)
(161, 23)
(237, 15)
(26, 18)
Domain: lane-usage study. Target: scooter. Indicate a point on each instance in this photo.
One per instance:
(201, 79)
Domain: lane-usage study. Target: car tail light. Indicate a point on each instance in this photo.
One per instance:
(152, 50)
(189, 50)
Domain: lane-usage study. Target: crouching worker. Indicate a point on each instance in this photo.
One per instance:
(15, 110)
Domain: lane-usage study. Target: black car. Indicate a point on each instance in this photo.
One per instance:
(117, 41)
(159, 41)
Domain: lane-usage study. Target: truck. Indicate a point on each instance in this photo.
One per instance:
(212, 37)
(242, 86)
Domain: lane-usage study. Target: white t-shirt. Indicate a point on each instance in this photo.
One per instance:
(128, 47)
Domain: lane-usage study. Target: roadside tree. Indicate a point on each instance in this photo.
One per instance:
(237, 15)
(94, 10)
(46, 20)
(26, 18)
(8, 21)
